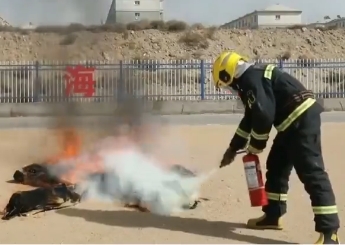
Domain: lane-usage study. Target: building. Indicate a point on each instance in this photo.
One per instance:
(273, 16)
(316, 25)
(339, 22)
(126, 11)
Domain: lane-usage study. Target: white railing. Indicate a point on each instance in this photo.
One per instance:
(35, 81)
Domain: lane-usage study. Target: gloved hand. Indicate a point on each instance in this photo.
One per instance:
(228, 157)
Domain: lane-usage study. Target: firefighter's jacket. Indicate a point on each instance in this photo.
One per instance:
(271, 97)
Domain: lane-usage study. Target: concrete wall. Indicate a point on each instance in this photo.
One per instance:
(138, 5)
(154, 107)
(131, 16)
(279, 19)
(337, 22)
(265, 19)
(126, 11)
(248, 21)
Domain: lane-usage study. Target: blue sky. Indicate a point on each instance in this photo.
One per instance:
(19, 12)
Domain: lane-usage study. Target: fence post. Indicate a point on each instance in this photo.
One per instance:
(37, 84)
(202, 79)
(120, 88)
(281, 64)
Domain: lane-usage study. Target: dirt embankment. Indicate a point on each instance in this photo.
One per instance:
(176, 41)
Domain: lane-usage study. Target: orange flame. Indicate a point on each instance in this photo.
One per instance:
(70, 143)
(81, 165)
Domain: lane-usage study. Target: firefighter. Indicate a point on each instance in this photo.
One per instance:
(272, 97)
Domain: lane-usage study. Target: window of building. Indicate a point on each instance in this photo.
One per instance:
(137, 16)
(277, 17)
(137, 2)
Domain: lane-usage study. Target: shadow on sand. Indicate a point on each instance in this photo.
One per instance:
(203, 227)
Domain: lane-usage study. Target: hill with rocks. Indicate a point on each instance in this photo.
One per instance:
(171, 40)
(142, 41)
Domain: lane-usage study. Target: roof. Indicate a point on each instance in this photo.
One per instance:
(271, 8)
(336, 20)
(278, 7)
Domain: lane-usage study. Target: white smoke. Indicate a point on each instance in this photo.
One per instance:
(133, 175)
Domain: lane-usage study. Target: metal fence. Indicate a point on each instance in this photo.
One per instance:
(25, 82)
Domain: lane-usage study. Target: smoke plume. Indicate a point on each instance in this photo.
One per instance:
(130, 175)
(136, 164)
(52, 12)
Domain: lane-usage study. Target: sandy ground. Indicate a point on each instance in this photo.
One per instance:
(219, 220)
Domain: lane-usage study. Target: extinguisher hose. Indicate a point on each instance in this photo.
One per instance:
(241, 152)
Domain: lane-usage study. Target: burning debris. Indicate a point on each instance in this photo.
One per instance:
(41, 199)
(118, 168)
(37, 175)
(52, 191)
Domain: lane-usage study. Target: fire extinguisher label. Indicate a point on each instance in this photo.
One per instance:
(251, 175)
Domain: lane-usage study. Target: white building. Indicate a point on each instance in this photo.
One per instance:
(273, 16)
(340, 22)
(126, 11)
(315, 25)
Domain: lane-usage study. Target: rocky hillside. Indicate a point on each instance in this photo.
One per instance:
(152, 41)
(174, 41)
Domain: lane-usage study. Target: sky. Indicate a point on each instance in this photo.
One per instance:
(209, 12)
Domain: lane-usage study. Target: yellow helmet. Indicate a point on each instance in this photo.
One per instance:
(224, 68)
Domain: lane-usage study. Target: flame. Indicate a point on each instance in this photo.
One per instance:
(70, 143)
(81, 164)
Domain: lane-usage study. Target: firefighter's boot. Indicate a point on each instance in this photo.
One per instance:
(265, 222)
(328, 238)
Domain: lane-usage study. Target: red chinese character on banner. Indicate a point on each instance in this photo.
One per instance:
(80, 80)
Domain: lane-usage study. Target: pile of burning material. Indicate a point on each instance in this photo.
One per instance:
(52, 191)
(118, 168)
(41, 199)
(37, 175)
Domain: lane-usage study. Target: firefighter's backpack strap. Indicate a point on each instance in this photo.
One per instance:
(269, 71)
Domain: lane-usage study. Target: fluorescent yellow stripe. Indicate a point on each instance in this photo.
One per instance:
(295, 114)
(259, 136)
(242, 133)
(277, 196)
(253, 150)
(325, 210)
(268, 71)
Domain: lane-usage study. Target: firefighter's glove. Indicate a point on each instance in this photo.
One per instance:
(253, 150)
(228, 157)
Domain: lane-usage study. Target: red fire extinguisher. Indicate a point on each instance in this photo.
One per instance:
(255, 183)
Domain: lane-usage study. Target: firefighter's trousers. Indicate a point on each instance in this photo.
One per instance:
(299, 146)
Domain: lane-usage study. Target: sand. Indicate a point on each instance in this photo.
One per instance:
(219, 220)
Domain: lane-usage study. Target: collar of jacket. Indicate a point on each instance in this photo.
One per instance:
(242, 66)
